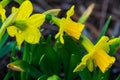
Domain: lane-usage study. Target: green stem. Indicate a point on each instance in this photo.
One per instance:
(19, 1)
(13, 51)
(56, 20)
(86, 43)
(8, 21)
(25, 55)
(24, 58)
(5, 2)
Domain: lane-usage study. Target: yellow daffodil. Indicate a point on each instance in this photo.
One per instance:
(2, 13)
(98, 57)
(26, 27)
(70, 27)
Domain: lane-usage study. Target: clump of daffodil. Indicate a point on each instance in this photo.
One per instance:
(68, 26)
(26, 27)
(2, 13)
(97, 56)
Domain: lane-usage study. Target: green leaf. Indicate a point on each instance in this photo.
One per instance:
(43, 77)
(0, 22)
(7, 48)
(114, 47)
(49, 61)
(98, 75)
(104, 28)
(37, 52)
(70, 54)
(54, 77)
(85, 74)
(23, 66)
(118, 78)
(4, 39)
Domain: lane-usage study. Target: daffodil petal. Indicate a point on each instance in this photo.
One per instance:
(61, 38)
(103, 60)
(73, 29)
(90, 65)
(12, 30)
(25, 10)
(19, 39)
(83, 63)
(2, 13)
(32, 35)
(80, 67)
(57, 35)
(111, 41)
(14, 9)
(103, 43)
(36, 20)
(70, 12)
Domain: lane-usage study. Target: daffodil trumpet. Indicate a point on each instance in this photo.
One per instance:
(68, 26)
(97, 55)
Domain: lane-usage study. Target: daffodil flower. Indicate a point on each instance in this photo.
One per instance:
(98, 56)
(70, 27)
(26, 27)
(2, 13)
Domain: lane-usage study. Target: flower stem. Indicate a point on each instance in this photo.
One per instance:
(5, 2)
(13, 51)
(56, 20)
(86, 43)
(24, 58)
(8, 21)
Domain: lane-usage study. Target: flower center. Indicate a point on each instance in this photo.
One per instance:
(21, 25)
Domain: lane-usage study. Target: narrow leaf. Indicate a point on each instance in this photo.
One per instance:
(7, 48)
(104, 28)
(23, 66)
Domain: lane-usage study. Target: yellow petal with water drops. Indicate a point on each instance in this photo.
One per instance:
(82, 64)
(36, 20)
(19, 39)
(12, 30)
(32, 35)
(2, 13)
(103, 60)
(25, 10)
(73, 29)
(70, 12)
(103, 44)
